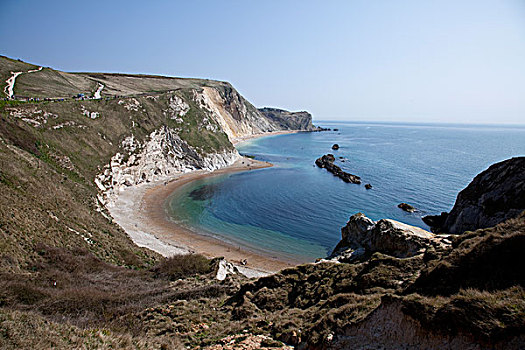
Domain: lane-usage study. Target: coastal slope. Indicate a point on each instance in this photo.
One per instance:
(70, 142)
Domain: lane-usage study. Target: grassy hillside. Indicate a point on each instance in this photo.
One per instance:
(50, 83)
(8, 65)
(50, 154)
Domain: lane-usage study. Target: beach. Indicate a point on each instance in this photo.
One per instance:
(141, 212)
(238, 140)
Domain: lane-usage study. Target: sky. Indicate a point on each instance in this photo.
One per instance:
(416, 61)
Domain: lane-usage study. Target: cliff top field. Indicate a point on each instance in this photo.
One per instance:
(72, 278)
(50, 83)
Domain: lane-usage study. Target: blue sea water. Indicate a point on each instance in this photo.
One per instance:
(295, 210)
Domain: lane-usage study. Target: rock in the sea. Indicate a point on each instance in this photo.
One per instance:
(406, 207)
(335, 147)
(327, 162)
(319, 128)
(362, 235)
(368, 186)
(495, 195)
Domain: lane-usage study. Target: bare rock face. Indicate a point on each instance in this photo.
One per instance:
(289, 120)
(160, 157)
(362, 235)
(495, 195)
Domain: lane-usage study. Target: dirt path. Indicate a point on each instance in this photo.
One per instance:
(99, 90)
(9, 89)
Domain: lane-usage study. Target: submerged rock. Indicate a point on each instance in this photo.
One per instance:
(495, 195)
(406, 207)
(327, 162)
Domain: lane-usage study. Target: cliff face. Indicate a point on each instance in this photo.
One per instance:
(495, 195)
(289, 120)
(236, 116)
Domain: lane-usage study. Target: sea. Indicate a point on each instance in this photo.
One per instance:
(294, 211)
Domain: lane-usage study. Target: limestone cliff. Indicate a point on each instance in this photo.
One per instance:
(236, 116)
(289, 120)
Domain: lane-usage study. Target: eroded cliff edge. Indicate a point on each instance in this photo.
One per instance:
(495, 195)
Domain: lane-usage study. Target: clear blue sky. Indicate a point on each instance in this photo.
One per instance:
(447, 61)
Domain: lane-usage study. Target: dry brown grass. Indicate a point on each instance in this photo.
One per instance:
(181, 266)
(29, 330)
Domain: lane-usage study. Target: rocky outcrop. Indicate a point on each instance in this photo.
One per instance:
(286, 120)
(327, 162)
(495, 195)
(362, 236)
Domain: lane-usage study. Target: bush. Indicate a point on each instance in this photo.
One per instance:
(181, 266)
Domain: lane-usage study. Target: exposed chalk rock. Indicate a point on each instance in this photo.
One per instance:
(362, 235)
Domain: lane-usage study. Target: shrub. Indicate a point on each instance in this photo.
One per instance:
(181, 266)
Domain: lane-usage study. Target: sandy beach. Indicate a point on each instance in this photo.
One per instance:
(140, 211)
(238, 140)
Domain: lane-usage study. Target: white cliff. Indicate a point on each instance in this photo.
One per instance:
(162, 156)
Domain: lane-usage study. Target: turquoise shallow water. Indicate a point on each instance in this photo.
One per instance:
(295, 210)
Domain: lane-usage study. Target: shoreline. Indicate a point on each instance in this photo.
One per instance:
(141, 212)
(242, 139)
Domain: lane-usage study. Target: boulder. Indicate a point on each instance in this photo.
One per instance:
(495, 195)
(368, 186)
(406, 207)
(335, 147)
(362, 235)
